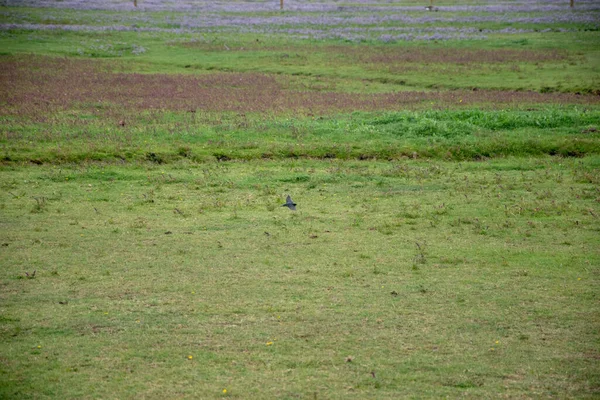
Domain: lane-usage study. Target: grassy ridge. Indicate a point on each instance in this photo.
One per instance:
(164, 137)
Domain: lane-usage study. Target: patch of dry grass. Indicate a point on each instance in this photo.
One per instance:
(35, 86)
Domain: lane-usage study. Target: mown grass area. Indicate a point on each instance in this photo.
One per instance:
(417, 279)
(445, 166)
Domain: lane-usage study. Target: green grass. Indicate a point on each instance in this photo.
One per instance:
(445, 242)
(342, 64)
(441, 279)
(469, 134)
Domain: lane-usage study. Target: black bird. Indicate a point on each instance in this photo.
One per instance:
(289, 204)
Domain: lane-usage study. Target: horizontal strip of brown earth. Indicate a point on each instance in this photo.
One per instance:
(33, 85)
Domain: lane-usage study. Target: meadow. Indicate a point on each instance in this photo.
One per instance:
(445, 166)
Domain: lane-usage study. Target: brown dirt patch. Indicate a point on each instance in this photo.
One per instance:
(464, 56)
(395, 55)
(31, 86)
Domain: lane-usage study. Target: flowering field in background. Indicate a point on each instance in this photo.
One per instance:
(383, 21)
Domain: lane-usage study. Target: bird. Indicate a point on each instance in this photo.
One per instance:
(289, 203)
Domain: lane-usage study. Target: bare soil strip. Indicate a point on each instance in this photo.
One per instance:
(31, 86)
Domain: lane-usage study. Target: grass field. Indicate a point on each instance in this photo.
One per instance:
(445, 166)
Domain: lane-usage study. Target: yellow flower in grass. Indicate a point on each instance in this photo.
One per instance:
(190, 357)
(224, 391)
(269, 343)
